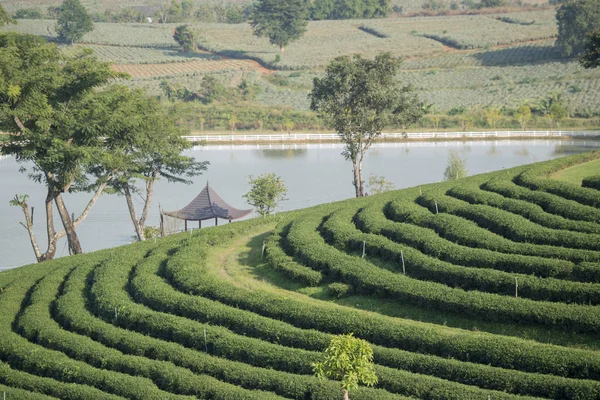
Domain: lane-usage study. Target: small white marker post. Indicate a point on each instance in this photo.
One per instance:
(516, 287)
(205, 345)
(262, 253)
(116, 315)
(403, 267)
(437, 211)
(420, 191)
(364, 248)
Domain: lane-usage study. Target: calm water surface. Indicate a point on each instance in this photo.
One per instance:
(314, 174)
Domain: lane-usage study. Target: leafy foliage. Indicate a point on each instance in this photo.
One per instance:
(358, 98)
(349, 360)
(187, 38)
(591, 56)
(266, 191)
(281, 21)
(576, 18)
(73, 22)
(456, 167)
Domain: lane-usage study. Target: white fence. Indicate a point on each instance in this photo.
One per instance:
(318, 137)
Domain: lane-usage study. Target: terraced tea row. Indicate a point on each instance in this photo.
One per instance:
(201, 316)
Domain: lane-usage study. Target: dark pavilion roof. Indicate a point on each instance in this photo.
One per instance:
(208, 204)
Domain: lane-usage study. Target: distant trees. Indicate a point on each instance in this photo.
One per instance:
(349, 9)
(281, 21)
(73, 22)
(186, 37)
(523, 115)
(359, 98)
(265, 192)
(5, 18)
(591, 56)
(576, 18)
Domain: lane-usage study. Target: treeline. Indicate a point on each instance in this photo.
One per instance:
(230, 13)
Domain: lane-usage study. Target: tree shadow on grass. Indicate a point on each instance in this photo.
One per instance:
(520, 55)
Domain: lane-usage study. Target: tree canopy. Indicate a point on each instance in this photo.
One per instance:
(576, 18)
(349, 360)
(61, 123)
(591, 56)
(280, 21)
(265, 192)
(73, 22)
(358, 98)
(186, 37)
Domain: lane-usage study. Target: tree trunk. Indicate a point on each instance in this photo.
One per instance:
(139, 231)
(52, 236)
(72, 238)
(149, 193)
(345, 394)
(360, 173)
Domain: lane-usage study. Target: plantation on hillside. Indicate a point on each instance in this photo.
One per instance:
(206, 315)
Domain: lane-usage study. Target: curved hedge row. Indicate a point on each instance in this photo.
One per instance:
(14, 393)
(179, 268)
(537, 178)
(533, 212)
(592, 182)
(72, 314)
(501, 351)
(149, 289)
(25, 356)
(420, 266)
(279, 261)
(468, 233)
(513, 227)
(552, 204)
(36, 324)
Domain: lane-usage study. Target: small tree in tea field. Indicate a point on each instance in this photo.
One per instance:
(456, 167)
(349, 360)
(265, 192)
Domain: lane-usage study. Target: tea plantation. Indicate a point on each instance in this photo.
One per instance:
(482, 288)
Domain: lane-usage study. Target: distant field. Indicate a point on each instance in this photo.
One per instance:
(470, 61)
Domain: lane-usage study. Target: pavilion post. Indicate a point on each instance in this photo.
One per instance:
(186, 225)
(199, 224)
(216, 221)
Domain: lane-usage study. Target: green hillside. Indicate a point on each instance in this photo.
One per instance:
(206, 315)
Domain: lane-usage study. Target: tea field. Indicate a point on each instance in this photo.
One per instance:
(482, 288)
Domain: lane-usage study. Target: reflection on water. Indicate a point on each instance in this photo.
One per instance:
(282, 153)
(313, 173)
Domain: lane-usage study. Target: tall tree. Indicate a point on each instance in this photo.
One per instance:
(152, 151)
(349, 360)
(73, 22)
(58, 122)
(591, 56)
(280, 21)
(575, 19)
(359, 98)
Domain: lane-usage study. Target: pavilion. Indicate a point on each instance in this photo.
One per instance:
(207, 205)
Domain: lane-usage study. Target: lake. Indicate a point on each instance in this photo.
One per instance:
(313, 173)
